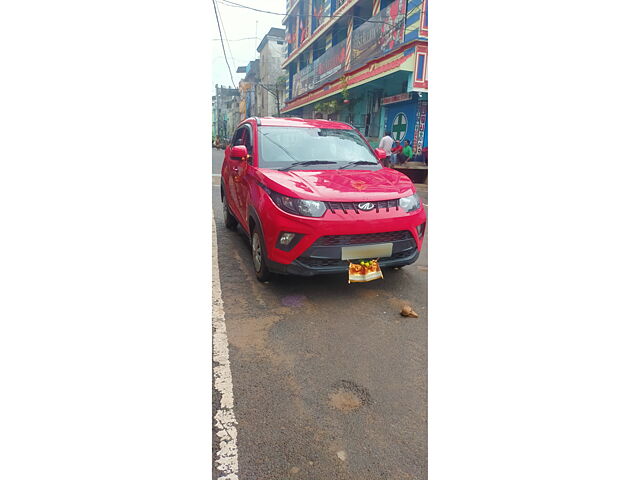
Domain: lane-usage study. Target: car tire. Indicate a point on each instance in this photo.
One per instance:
(229, 220)
(258, 256)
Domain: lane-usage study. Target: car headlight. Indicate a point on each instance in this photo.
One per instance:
(298, 206)
(410, 203)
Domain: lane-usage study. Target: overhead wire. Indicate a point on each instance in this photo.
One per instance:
(224, 51)
(395, 26)
(224, 30)
(235, 39)
(230, 3)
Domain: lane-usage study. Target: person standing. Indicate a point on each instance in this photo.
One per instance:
(386, 143)
(395, 151)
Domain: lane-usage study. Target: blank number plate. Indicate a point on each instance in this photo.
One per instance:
(367, 251)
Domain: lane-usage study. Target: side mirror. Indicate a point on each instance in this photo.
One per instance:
(239, 152)
(380, 154)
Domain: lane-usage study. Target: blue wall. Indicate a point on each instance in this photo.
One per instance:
(409, 109)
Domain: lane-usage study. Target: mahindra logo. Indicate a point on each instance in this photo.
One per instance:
(366, 206)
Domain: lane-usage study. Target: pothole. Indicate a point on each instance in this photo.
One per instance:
(348, 396)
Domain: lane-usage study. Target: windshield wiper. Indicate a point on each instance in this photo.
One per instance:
(309, 162)
(359, 162)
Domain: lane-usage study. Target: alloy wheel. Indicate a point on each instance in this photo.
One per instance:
(257, 251)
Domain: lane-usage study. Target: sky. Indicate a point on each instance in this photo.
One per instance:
(240, 23)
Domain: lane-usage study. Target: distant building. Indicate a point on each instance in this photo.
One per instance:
(248, 87)
(225, 106)
(270, 94)
(359, 61)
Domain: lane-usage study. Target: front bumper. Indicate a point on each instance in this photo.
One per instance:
(325, 255)
(319, 250)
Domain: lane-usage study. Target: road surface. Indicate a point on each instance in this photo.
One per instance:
(329, 381)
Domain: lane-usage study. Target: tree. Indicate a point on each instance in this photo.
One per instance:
(277, 90)
(328, 107)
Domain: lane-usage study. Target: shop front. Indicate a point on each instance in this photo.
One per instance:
(406, 118)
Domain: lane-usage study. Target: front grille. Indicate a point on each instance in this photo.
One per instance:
(322, 262)
(333, 262)
(381, 205)
(362, 238)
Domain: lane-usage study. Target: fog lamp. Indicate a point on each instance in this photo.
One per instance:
(286, 237)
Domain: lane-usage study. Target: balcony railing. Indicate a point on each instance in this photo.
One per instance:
(377, 36)
(290, 4)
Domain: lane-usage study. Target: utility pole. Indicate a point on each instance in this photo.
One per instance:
(217, 110)
(274, 92)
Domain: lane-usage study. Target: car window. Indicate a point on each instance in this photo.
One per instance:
(243, 137)
(282, 146)
(237, 138)
(247, 139)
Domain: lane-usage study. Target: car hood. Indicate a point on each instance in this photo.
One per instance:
(339, 185)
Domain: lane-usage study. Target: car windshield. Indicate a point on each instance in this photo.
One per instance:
(304, 148)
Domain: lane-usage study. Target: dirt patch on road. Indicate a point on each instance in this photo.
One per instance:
(344, 401)
(348, 396)
(253, 332)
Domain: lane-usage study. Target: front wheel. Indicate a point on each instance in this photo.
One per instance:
(229, 220)
(258, 255)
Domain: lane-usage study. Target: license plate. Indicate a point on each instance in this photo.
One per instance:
(378, 250)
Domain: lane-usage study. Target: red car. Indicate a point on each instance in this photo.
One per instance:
(312, 194)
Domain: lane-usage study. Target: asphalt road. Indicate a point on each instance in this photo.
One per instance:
(329, 381)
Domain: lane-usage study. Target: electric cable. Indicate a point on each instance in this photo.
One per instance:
(215, 9)
(224, 30)
(234, 39)
(230, 3)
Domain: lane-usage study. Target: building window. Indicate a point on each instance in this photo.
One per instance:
(420, 67)
(425, 16)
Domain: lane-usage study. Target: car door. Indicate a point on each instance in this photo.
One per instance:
(244, 174)
(229, 172)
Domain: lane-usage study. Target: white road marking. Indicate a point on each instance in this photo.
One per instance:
(225, 421)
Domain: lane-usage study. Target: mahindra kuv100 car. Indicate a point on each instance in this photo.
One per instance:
(312, 195)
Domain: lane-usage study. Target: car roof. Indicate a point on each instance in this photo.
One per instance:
(301, 122)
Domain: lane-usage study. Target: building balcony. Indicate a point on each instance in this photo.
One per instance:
(380, 35)
(320, 29)
(290, 7)
(291, 4)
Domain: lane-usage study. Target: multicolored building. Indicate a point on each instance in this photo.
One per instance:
(360, 61)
